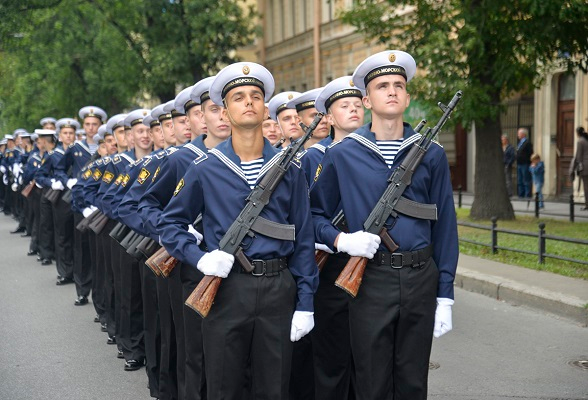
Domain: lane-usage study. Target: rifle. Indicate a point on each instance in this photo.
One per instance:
(98, 223)
(147, 247)
(67, 196)
(151, 261)
(82, 226)
(52, 195)
(119, 232)
(166, 262)
(26, 191)
(391, 202)
(321, 256)
(133, 249)
(203, 296)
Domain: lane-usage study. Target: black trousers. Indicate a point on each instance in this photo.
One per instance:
(63, 225)
(302, 371)
(46, 229)
(29, 213)
(152, 330)
(112, 286)
(35, 207)
(9, 201)
(97, 251)
(331, 344)
(168, 380)
(22, 209)
(391, 323)
(81, 257)
(176, 298)
(195, 378)
(249, 323)
(130, 331)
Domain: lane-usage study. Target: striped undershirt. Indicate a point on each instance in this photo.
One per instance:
(251, 170)
(389, 149)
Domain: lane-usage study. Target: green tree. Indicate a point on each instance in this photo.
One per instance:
(59, 55)
(488, 48)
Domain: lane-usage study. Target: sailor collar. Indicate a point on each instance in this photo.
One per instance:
(226, 154)
(367, 138)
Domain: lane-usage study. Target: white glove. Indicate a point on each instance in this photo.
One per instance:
(20, 180)
(57, 185)
(217, 263)
(302, 324)
(86, 212)
(39, 186)
(71, 182)
(14, 187)
(360, 243)
(196, 234)
(323, 247)
(16, 169)
(2, 169)
(5, 179)
(443, 317)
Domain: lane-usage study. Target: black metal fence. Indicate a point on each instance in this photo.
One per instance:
(541, 236)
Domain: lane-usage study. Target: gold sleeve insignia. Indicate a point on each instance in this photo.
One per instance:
(87, 174)
(119, 179)
(319, 169)
(97, 174)
(126, 180)
(155, 174)
(107, 178)
(143, 175)
(179, 187)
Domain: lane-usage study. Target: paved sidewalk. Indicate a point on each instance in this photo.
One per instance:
(563, 296)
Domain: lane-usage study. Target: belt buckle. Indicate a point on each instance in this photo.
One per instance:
(263, 263)
(394, 257)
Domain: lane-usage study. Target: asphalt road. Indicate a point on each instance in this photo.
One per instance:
(51, 349)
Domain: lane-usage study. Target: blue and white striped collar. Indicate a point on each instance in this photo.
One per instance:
(366, 137)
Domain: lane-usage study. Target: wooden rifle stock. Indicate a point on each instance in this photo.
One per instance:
(150, 261)
(321, 257)
(28, 189)
(203, 296)
(350, 278)
(166, 263)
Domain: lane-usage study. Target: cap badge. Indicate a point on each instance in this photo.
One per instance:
(144, 113)
(392, 57)
(246, 70)
(351, 83)
(290, 96)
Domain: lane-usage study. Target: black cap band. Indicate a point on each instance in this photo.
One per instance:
(163, 117)
(304, 106)
(204, 96)
(384, 70)
(176, 113)
(341, 94)
(242, 81)
(189, 104)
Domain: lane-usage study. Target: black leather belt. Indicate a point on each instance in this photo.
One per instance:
(263, 267)
(415, 258)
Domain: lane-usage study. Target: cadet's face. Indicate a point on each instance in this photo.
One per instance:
(18, 141)
(130, 138)
(182, 128)
(245, 107)
(215, 125)
(387, 96)
(120, 137)
(91, 125)
(10, 144)
(103, 149)
(288, 122)
(40, 144)
(322, 129)
(49, 125)
(169, 135)
(157, 136)
(110, 143)
(67, 136)
(141, 137)
(197, 126)
(271, 131)
(346, 114)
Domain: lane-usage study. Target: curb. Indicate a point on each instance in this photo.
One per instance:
(520, 294)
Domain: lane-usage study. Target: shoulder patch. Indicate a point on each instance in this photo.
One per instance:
(97, 174)
(126, 180)
(119, 179)
(107, 178)
(179, 187)
(143, 175)
(116, 159)
(319, 169)
(155, 174)
(87, 174)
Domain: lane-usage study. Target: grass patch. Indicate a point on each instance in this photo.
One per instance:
(577, 230)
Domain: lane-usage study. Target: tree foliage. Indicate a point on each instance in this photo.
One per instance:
(58, 55)
(488, 48)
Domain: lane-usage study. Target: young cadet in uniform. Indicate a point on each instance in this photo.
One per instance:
(342, 105)
(11, 157)
(406, 298)
(43, 181)
(48, 123)
(304, 104)
(286, 117)
(184, 103)
(271, 131)
(68, 172)
(22, 139)
(34, 198)
(180, 121)
(255, 315)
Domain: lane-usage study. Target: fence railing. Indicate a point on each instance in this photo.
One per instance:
(571, 214)
(541, 236)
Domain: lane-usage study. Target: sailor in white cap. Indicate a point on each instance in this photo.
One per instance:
(412, 292)
(164, 120)
(180, 121)
(11, 157)
(190, 106)
(196, 122)
(286, 117)
(217, 185)
(217, 128)
(48, 123)
(115, 127)
(271, 131)
(81, 134)
(304, 105)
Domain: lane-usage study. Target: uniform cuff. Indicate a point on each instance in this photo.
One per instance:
(305, 302)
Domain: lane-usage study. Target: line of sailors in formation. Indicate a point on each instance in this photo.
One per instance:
(128, 167)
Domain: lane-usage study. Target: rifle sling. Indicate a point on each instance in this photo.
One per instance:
(273, 229)
(416, 210)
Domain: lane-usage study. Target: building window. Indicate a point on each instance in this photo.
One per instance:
(567, 87)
